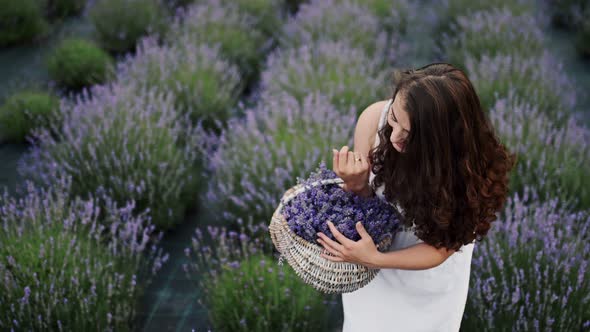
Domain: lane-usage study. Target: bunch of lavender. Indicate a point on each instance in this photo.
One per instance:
(531, 273)
(539, 80)
(347, 75)
(203, 84)
(338, 21)
(61, 269)
(216, 22)
(554, 158)
(244, 289)
(491, 32)
(127, 141)
(308, 212)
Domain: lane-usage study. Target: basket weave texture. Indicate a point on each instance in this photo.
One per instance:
(304, 257)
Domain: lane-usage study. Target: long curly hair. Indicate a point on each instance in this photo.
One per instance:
(452, 177)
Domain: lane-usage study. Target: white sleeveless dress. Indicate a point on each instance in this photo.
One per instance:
(431, 300)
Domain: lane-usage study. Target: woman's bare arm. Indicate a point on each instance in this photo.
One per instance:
(420, 256)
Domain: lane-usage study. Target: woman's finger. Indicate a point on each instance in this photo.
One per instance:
(358, 164)
(343, 158)
(335, 154)
(332, 258)
(364, 161)
(329, 248)
(351, 161)
(330, 243)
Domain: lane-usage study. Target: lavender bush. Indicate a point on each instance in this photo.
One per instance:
(450, 10)
(244, 289)
(203, 84)
(393, 16)
(531, 274)
(258, 157)
(539, 80)
(63, 270)
(337, 20)
(22, 22)
(491, 32)
(267, 14)
(129, 142)
(307, 213)
(348, 76)
(76, 63)
(553, 158)
(214, 22)
(119, 24)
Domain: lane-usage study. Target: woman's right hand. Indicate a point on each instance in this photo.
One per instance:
(354, 172)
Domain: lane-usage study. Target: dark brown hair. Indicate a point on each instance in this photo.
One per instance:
(452, 177)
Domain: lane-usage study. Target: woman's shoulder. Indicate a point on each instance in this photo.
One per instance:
(368, 124)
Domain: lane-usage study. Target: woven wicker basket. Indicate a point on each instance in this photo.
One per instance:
(304, 257)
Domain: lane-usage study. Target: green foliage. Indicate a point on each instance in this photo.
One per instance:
(119, 24)
(261, 296)
(21, 21)
(583, 34)
(64, 8)
(23, 111)
(77, 63)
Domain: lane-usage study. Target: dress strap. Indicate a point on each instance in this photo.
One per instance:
(384, 113)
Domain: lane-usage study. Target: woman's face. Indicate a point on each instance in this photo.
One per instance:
(399, 120)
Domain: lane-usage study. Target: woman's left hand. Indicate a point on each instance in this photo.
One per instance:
(363, 251)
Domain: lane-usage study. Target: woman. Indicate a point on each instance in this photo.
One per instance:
(436, 157)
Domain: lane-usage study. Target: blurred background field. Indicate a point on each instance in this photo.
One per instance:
(159, 136)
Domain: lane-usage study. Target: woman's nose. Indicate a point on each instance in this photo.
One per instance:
(394, 137)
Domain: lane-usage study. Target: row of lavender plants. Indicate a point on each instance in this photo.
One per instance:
(135, 142)
(531, 274)
(313, 87)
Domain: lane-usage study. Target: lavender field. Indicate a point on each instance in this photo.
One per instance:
(144, 145)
